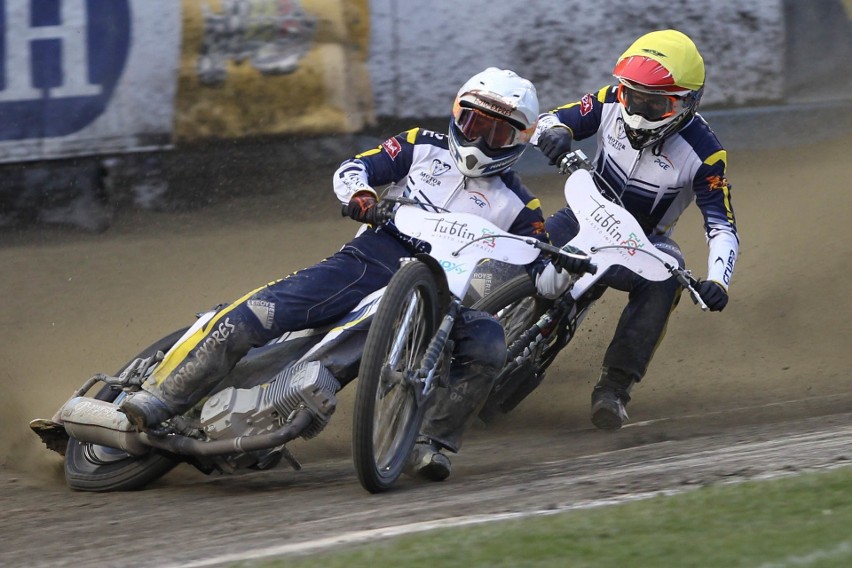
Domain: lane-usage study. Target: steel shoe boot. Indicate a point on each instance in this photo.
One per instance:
(608, 412)
(609, 397)
(427, 462)
(145, 411)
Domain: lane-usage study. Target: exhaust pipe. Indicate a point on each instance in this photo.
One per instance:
(101, 422)
(184, 445)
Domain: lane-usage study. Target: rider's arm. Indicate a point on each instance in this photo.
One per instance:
(387, 163)
(713, 197)
(529, 222)
(582, 118)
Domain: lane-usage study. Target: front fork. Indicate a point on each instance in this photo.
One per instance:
(432, 358)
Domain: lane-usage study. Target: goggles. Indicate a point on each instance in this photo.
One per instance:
(650, 106)
(495, 132)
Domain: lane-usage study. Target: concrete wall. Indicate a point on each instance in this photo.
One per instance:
(377, 61)
(421, 52)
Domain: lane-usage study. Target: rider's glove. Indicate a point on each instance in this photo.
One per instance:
(579, 264)
(554, 143)
(362, 207)
(713, 294)
(552, 282)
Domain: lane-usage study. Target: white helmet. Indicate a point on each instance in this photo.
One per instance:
(494, 116)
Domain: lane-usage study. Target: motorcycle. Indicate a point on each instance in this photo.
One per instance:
(538, 329)
(278, 392)
(408, 348)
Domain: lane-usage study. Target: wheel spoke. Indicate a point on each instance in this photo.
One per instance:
(387, 407)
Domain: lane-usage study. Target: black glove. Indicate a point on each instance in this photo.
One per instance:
(554, 143)
(362, 207)
(572, 264)
(713, 295)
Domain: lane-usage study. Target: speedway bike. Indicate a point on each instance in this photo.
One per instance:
(280, 391)
(408, 349)
(538, 329)
(277, 393)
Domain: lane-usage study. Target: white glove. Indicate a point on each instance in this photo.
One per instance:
(551, 284)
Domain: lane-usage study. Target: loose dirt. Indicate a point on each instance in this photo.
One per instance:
(762, 388)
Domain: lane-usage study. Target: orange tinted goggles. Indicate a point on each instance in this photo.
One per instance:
(648, 105)
(495, 132)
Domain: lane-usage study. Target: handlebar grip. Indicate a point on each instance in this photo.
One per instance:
(571, 161)
(556, 251)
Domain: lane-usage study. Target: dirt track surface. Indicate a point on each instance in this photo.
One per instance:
(760, 389)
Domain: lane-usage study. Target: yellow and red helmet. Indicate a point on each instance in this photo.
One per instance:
(661, 79)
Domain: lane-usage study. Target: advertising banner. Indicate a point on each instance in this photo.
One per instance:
(82, 77)
(263, 67)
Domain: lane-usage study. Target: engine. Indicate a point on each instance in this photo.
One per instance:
(235, 412)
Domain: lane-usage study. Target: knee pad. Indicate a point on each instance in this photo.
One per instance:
(480, 340)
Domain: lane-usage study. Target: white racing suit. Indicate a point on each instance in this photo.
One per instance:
(419, 164)
(656, 184)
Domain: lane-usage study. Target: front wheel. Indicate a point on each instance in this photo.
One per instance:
(388, 413)
(91, 467)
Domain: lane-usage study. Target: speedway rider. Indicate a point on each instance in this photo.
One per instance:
(655, 154)
(467, 170)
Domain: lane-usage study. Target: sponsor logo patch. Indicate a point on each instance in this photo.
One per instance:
(479, 199)
(263, 311)
(717, 182)
(438, 167)
(586, 105)
(392, 147)
(663, 162)
(633, 241)
(729, 268)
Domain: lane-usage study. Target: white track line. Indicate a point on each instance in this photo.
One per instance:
(693, 458)
(355, 537)
(359, 537)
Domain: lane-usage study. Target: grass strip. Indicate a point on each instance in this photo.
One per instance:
(796, 521)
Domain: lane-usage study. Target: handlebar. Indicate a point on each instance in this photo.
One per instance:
(384, 209)
(572, 161)
(554, 251)
(575, 160)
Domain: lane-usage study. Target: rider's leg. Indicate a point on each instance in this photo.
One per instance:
(640, 330)
(312, 297)
(479, 354)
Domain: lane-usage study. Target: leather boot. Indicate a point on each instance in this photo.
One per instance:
(145, 411)
(609, 399)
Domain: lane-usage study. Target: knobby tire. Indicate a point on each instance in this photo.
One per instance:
(512, 304)
(89, 467)
(387, 416)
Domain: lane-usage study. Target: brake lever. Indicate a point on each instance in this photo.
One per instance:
(556, 251)
(687, 281)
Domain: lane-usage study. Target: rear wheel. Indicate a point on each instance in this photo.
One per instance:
(91, 467)
(388, 415)
(517, 308)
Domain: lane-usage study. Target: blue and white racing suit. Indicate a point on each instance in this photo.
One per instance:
(418, 162)
(656, 184)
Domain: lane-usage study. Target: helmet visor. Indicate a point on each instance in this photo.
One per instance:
(494, 132)
(650, 106)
